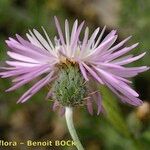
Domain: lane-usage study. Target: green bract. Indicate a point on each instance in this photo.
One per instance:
(69, 89)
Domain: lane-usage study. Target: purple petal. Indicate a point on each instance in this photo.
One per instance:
(21, 57)
(120, 59)
(62, 111)
(31, 46)
(20, 49)
(99, 103)
(132, 100)
(102, 48)
(92, 38)
(111, 34)
(119, 45)
(121, 86)
(86, 33)
(121, 52)
(73, 33)
(19, 71)
(93, 73)
(33, 73)
(22, 64)
(107, 75)
(26, 80)
(67, 32)
(76, 39)
(89, 106)
(49, 94)
(99, 38)
(108, 65)
(128, 72)
(83, 71)
(127, 61)
(35, 88)
(48, 39)
(42, 40)
(55, 105)
(59, 30)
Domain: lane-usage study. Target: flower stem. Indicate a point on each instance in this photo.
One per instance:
(69, 120)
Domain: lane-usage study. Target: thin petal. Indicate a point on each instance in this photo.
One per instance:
(42, 40)
(21, 64)
(99, 103)
(89, 106)
(67, 32)
(133, 100)
(31, 37)
(35, 88)
(48, 39)
(85, 39)
(102, 47)
(31, 46)
(111, 34)
(121, 86)
(26, 80)
(55, 105)
(121, 52)
(59, 30)
(83, 71)
(107, 75)
(92, 38)
(76, 39)
(32, 74)
(26, 51)
(119, 45)
(121, 59)
(127, 61)
(73, 33)
(21, 57)
(99, 38)
(93, 73)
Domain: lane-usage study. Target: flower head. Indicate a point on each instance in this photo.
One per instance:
(70, 64)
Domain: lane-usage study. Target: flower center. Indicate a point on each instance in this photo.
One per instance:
(69, 88)
(64, 60)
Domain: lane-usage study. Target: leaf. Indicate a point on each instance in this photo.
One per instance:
(113, 113)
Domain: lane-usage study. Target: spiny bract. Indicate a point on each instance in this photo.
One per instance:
(69, 89)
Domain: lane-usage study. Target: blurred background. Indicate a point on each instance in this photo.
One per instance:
(121, 127)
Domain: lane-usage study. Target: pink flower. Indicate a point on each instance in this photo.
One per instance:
(98, 59)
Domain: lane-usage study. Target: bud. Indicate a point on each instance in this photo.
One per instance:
(143, 111)
(69, 89)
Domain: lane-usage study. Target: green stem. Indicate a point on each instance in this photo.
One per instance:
(69, 121)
